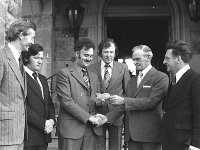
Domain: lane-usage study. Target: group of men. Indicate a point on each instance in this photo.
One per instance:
(96, 98)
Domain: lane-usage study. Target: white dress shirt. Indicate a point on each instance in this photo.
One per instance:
(30, 72)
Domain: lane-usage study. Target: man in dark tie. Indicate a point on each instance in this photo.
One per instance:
(142, 103)
(181, 118)
(40, 108)
(113, 77)
(76, 91)
(20, 36)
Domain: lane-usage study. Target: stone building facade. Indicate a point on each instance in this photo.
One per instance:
(53, 30)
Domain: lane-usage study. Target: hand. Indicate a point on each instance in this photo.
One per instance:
(99, 102)
(193, 148)
(95, 120)
(49, 126)
(104, 119)
(116, 100)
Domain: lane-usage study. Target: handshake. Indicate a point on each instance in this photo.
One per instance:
(98, 119)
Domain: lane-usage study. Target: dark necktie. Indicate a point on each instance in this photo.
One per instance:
(107, 76)
(21, 67)
(174, 79)
(35, 75)
(86, 78)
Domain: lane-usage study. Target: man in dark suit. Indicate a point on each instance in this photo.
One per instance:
(142, 103)
(118, 77)
(20, 36)
(76, 91)
(40, 108)
(181, 118)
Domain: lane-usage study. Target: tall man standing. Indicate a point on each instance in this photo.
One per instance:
(142, 103)
(40, 108)
(76, 90)
(181, 118)
(113, 77)
(20, 36)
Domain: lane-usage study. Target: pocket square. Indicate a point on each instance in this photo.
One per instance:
(146, 86)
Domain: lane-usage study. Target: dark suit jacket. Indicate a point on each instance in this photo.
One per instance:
(77, 103)
(143, 107)
(39, 110)
(181, 119)
(118, 83)
(12, 100)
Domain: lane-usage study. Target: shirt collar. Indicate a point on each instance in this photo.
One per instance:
(180, 73)
(144, 72)
(79, 68)
(103, 64)
(29, 71)
(15, 52)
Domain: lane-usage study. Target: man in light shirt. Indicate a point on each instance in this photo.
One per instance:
(113, 77)
(142, 104)
(181, 118)
(20, 36)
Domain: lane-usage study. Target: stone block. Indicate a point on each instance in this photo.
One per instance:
(14, 8)
(3, 10)
(2, 33)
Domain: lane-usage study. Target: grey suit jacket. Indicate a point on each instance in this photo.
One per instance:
(12, 99)
(143, 107)
(76, 102)
(119, 80)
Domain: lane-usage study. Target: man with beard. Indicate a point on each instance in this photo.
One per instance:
(76, 91)
(113, 77)
(181, 118)
(142, 103)
(20, 36)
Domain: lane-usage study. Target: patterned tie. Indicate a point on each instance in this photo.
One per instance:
(21, 65)
(107, 76)
(174, 79)
(139, 78)
(86, 77)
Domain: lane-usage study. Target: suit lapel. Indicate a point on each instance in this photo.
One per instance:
(114, 76)
(179, 85)
(33, 85)
(45, 87)
(77, 75)
(146, 78)
(15, 67)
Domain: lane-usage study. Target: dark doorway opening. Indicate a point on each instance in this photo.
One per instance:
(128, 33)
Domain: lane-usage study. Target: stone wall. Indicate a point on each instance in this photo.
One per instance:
(9, 11)
(195, 43)
(41, 13)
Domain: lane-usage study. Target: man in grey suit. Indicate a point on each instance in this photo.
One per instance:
(142, 103)
(76, 90)
(20, 36)
(113, 77)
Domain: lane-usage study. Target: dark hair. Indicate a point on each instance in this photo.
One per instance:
(106, 43)
(84, 43)
(33, 50)
(17, 27)
(180, 48)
